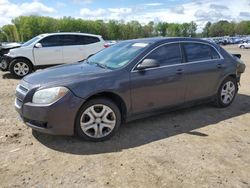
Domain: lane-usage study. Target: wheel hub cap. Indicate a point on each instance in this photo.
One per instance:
(98, 121)
(228, 92)
(21, 69)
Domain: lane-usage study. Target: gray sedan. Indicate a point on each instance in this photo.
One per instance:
(127, 81)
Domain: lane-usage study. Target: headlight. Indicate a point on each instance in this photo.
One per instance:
(11, 53)
(49, 95)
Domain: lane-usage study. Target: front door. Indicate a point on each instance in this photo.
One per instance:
(159, 87)
(50, 53)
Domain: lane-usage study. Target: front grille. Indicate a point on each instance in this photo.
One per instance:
(22, 88)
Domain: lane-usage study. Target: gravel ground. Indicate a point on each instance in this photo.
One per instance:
(197, 147)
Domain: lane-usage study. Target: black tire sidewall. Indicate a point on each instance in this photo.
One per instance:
(89, 103)
(2, 69)
(12, 64)
(219, 100)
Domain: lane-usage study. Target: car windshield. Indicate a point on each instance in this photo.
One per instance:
(31, 41)
(118, 55)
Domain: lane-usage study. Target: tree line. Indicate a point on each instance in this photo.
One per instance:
(225, 28)
(24, 28)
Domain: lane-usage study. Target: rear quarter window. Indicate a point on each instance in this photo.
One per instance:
(199, 52)
(84, 40)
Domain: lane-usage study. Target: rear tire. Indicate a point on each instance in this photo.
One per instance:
(98, 120)
(226, 93)
(242, 47)
(20, 68)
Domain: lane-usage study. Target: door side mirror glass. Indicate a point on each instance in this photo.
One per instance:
(38, 45)
(148, 63)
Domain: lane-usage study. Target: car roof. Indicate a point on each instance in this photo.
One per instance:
(169, 39)
(70, 33)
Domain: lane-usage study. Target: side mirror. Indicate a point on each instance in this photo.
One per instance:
(38, 45)
(148, 63)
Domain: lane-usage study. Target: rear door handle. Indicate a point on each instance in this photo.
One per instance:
(219, 66)
(179, 71)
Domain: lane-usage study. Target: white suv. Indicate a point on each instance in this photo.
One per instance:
(51, 49)
(244, 45)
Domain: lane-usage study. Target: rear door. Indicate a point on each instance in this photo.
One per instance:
(90, 45)
(204, 67)
(50, 53)
(78, 47)
(72, 51)
(162, 86)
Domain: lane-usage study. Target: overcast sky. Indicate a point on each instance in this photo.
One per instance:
(144, 11)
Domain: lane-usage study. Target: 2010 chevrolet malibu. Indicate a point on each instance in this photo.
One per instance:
(129, 80)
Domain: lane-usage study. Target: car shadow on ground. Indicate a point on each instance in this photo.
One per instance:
(9, 76)
(147, 130)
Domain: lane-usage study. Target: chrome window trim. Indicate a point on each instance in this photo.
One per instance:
(191, 62)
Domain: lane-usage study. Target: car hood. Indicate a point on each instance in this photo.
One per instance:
(65, 74)
(11, 46)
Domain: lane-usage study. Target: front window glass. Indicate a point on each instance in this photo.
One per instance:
(168, 54)
(50, 41)
(118, 55)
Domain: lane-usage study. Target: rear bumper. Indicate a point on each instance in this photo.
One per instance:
(56, 119)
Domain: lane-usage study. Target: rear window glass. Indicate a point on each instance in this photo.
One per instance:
(199, 52)
(68, 40)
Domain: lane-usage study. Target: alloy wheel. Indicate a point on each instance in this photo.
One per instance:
(228, 92)
(21, 69)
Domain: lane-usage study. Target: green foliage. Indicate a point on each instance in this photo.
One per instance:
(10, 32)
(222, 28)
(25, 27)
(243, 28)
(206, 29)
(225, 28)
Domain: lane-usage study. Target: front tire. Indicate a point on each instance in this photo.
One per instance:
(4, 65)
(98, 120)
(242, 47)
(227, 92)
(20, 68)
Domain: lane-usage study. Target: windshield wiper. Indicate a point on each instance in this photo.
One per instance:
(100, 65)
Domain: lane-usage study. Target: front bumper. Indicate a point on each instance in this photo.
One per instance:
(57, 118)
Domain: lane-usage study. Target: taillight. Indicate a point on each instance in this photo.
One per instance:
(106, 45)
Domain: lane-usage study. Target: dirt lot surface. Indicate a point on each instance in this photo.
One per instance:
(197, 147)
